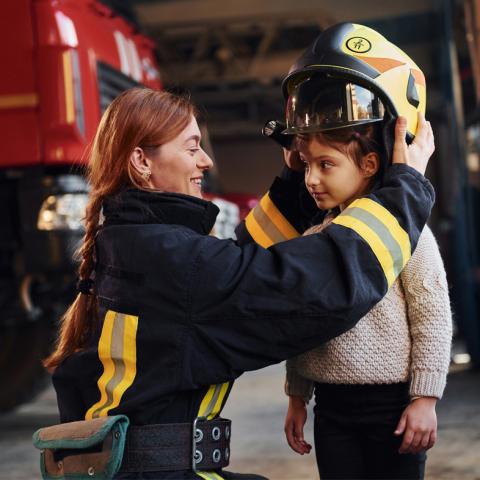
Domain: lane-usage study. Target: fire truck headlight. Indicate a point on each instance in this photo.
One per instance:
(228, 218)
(63, 212)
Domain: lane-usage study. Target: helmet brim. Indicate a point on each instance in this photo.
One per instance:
(320, 103)
(315, 129)
(339, 73)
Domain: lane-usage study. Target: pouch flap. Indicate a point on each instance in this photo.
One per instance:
(81, 434)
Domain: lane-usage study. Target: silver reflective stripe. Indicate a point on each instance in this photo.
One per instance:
(267, 225)
(213, 400)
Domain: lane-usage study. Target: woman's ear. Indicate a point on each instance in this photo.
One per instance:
(139, 161)
(370, 164)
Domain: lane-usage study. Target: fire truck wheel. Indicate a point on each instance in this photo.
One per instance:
(23, 376)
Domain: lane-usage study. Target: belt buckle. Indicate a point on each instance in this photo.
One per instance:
(197, 455)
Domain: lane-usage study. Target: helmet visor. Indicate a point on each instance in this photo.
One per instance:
(318, 104)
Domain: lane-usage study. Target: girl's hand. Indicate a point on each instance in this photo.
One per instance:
(294, 422)
(418, 424)
(292, 159)
(416, 154)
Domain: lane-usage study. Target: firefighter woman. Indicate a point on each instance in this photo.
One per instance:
(167, 316)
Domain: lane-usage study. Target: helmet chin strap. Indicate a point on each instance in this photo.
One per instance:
(388, 137)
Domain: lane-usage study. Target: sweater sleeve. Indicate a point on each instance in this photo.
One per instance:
(295, 384)
(429, 316)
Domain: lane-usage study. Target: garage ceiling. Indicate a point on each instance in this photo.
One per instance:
(233, 55)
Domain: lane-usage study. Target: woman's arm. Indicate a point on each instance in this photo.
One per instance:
(251, 307)
(283, 213)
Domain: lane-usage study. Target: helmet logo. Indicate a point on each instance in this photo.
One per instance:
(358, 45)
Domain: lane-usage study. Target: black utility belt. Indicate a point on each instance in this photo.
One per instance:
(201, 445)
(104, 446)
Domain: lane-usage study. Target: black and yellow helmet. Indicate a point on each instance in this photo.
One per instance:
(352, 75)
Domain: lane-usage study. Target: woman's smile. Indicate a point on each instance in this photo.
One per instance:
(197, 181)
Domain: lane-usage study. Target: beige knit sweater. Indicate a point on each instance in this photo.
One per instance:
(405, 337)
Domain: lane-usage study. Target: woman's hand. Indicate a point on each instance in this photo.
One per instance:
(294, 422)
(416, 154)
(418, 424)
(292, 159)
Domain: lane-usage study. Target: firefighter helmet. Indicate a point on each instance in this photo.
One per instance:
(352, 75)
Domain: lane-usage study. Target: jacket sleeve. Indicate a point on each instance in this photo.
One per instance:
(430, 318)
(252, 307)
(283, 213)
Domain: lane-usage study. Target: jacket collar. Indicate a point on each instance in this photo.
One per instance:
(133, 206)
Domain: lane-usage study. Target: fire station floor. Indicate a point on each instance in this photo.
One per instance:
(257, 407)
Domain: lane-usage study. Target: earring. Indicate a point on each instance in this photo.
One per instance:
(146, 175)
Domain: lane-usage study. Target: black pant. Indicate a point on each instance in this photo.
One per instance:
(353, 432)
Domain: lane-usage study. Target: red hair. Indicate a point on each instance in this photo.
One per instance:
(139, 116)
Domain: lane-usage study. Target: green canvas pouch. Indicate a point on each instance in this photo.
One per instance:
(82, 450)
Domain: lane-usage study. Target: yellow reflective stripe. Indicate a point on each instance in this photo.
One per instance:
(216, 476)
(277, 218)
(400, 235)
(203, 475)
(118, 354)
(382, 231)
(378, 247)
(104, 346)
(22, 100)
(212, 401)
(267, 225)
(68, 86)
(202, 411)
(209, 475)
(256, 231)
(218, 404)
(129, 360)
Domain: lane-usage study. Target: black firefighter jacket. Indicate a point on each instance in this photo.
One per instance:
(184, 313)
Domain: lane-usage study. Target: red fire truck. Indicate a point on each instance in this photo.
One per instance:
(63, 61)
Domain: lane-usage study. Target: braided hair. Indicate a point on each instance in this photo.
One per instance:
(139, 116)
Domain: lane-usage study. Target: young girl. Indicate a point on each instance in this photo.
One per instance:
(376, 385)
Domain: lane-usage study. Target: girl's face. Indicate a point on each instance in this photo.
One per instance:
(332, 177)
(179, 165)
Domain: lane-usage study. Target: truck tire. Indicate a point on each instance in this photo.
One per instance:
(26, 339)
(23, 346)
